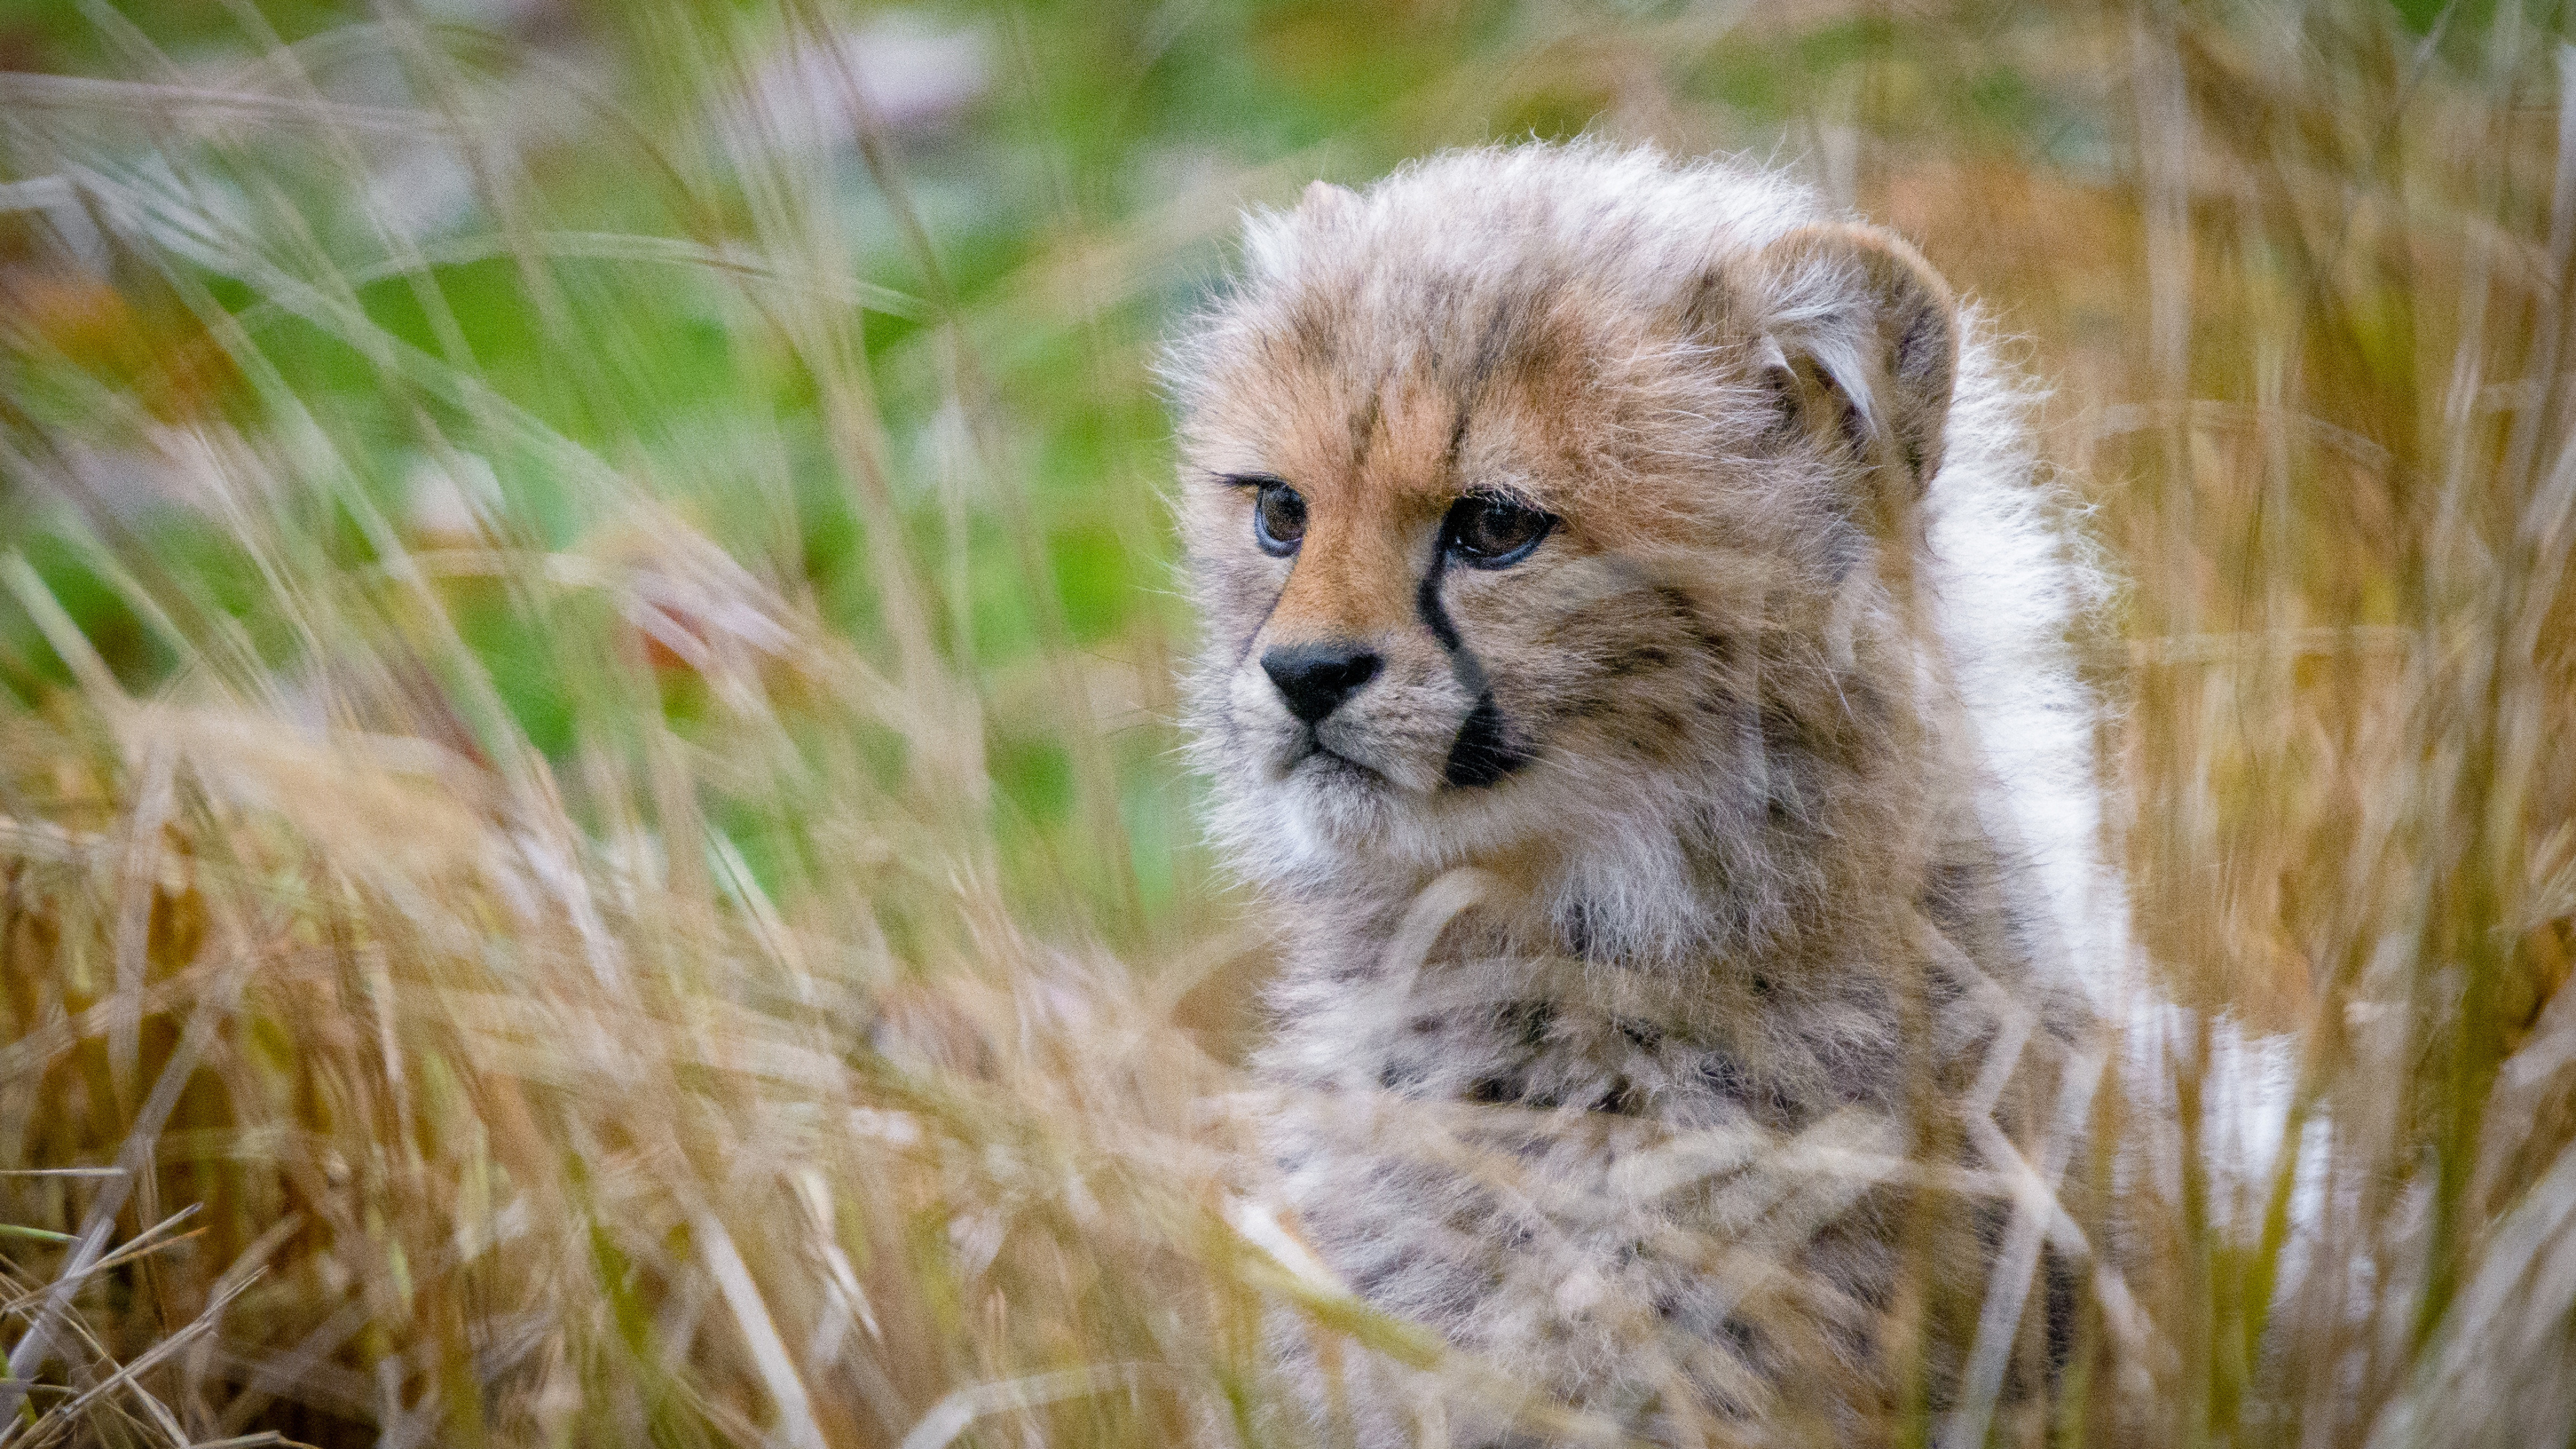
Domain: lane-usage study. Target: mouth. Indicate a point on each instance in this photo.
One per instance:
(1323, 762)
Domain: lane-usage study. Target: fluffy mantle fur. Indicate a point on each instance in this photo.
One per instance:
(1609, 1059)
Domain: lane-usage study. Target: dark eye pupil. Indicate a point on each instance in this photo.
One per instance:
(1492, 527)
(1278, 517)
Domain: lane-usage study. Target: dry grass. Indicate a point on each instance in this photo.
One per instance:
(720, 1055)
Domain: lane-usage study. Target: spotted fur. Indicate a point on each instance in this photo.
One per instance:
(1752, 808)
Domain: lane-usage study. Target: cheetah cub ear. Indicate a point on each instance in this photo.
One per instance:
(1863, 339)
(1326, 202)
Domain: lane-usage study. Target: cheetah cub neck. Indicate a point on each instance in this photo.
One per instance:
(1632, 671)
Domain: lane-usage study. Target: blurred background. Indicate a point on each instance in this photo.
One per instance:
(591, 830)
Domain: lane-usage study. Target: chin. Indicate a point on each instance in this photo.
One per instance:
(1352, 813)
(1307, 811)
(1337, 801)
(1317, 817)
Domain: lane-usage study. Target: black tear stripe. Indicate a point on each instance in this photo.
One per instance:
(1435, 617)
(1482, 754)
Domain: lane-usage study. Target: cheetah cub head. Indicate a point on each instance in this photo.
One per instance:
(1553, 508)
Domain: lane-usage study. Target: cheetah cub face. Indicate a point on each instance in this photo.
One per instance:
(1555, 522)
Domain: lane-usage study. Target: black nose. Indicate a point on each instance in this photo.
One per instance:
(1316, 678)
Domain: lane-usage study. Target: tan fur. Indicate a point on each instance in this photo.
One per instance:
(1748, 872)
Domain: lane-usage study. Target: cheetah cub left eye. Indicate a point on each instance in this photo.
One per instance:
(1489, 531)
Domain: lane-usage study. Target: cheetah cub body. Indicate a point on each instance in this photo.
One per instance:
(1634, 672)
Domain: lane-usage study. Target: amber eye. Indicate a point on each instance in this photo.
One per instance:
(1278, 518)
(1492, 532)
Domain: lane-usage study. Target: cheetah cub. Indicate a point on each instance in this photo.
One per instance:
(1634, 674)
